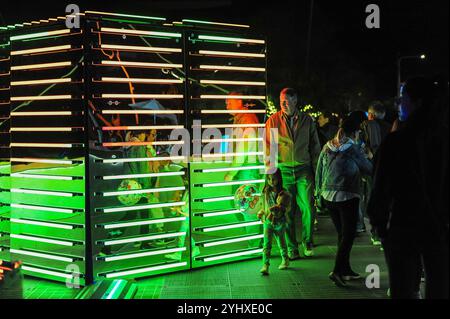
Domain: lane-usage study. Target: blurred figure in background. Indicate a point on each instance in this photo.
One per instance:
(326, 129)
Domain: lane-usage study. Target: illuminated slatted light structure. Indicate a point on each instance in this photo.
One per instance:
(236, 62)
(83, 195)
(5, 164)
(48, 173)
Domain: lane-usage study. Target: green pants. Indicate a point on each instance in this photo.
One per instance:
(270, 230)
(299, 182)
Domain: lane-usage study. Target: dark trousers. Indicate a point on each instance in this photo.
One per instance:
(345, 217)
(404, 260)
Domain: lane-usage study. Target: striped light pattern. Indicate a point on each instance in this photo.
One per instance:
(43, 240)
(42, 50)
(44, 208)
(223, 227)
(39, 34)
(232, 54)
(40, 192)
(222, 213)
(216, 23)
(43, 224)
(41, 160)
(142, 112)
(141, 64)
(230, 39)
(43, 129)
(41, 255)
(47, 272)
(40, 66)
(233, 111)
(232, 169)
(227, 140)
(38, 82)
(145, 254)
(113, 177)
(139, 48)
(142, 96)
(217, 199)
(141, 80)
(116, 144)
(232, 68)
(131, 128)
(233, 240)
(144, 191)
(141, 32)
(41, 98)
(230, 125)
(232, 97)
(145, 270)
(232, 154)
(145, 159)
(232, 255)
(48, 145)
(47, 177)
(255, 181)
(145, 222)
(150, 206)
(143, 238)
(126, 15)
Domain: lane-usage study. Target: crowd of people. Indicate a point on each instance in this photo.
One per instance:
(395, 174)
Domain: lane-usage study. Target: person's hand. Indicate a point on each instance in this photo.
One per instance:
(369, 154)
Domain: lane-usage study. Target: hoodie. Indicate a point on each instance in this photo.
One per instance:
(339, 171)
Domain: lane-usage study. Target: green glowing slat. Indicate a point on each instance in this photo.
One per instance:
(128, 15)
(39, 34)
(115, 289)
(47, 272)
(145, 270)
(239, 254)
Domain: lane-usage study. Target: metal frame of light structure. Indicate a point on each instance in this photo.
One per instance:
(142, 64)
(221, 213)
(142, 223)
(142, 238)
(40, 223)
(230, 241)
(150, 206)
(231, 68)
(40, 66)
(230, 39)
(39, 192)
(145, 159)
(141, 32)
(48, 113)
(44, 160)
(151, 112)
(44, 208)
(113, 177)
(43, 50)
(47, 272)
(140, 48)
(232, 54)
(232, 226)
(39, 82)
(141, 80)
(142, 96)
(143, 254)
(39, 34)
(233, 111)
(43, 240)
(47, 177)
(144, 270)
(255, 181)
(41, 98)
(42, 255)
(143, 191)
(231, 169)
(226, 256)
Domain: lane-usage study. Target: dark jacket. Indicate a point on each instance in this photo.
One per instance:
(326, 133)
(375, 131)
(409, 199)
(297, 146)
(340, 169)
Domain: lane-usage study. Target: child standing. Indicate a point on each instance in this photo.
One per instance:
(274, 216)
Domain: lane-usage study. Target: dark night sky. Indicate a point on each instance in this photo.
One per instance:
(346, 57)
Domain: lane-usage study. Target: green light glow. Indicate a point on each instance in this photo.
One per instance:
(143, 238)
(112, 177)
(43, 240)
(146, 222)
(232, 255)
(231, 169)
(144, 270)
(41, 255)
(117, 285)
(229, 241)
(254, 181)
(127, 15)
(44, 208)
(126, 209)
(39, 192)
(39, 34)
(214, 214)
(39, 223)
(47, 272)
(217, 228)
(230, 39)
(49, 177)
(145, 254)
(144, 191)
(216, 199)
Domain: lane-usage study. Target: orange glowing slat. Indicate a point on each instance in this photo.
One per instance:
(41, 98)
(54, 113)
(141, 64)
(38, 82)
(125, 144)
(140, 48)
(130, 128)
(232, 97)
(232, 54)
(41, 50)
(44, 129)
(40, 66)
(231, 68)
(141, 80)
(223, 82)
(142, 96)
(142, 112)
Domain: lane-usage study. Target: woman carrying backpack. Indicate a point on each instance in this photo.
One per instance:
(338, 175)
